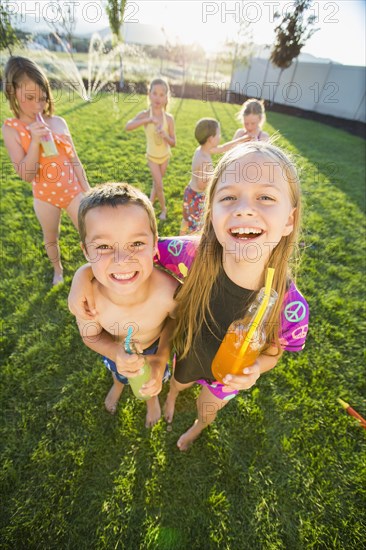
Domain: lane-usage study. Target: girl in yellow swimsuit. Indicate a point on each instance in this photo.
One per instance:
(160, 137)
(57, 182)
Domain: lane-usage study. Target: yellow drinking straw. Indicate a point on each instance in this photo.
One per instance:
(257, 319)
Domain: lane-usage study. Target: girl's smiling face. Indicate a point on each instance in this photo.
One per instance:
(31, 99)
(251, 209)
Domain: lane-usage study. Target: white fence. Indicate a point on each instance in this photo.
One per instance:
(327, 88)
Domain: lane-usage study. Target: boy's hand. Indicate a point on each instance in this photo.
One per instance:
(245, 381)
(154, 385)
(128, 365)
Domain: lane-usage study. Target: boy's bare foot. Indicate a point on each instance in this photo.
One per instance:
(186, 440)
(153, 413)
(57, 279)
(169, 407)
(111, 401)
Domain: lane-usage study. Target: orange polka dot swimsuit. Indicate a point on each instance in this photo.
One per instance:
(56, 181)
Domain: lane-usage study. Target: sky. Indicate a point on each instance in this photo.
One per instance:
(341, 36)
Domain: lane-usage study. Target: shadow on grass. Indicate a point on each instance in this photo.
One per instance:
(344, 163)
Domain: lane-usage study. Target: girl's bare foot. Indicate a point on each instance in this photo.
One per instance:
(163, 216)
(153, 413)
(186, 440)
(111, 401)
(169, 406)
(57, 279)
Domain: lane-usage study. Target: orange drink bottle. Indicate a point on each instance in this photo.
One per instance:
(47, 142)
(226, 360)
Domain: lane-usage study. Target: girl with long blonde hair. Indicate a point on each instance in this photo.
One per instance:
(252, 222)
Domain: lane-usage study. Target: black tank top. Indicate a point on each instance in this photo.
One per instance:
(228, 303)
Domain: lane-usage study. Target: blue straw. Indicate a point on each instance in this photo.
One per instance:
(128, 348)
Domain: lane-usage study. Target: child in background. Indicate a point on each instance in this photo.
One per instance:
(251, 222)
(207, 133)
(253, 116)
(160, 137)
(59, 181)
(119, 236)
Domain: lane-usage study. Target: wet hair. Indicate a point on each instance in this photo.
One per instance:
(160, 82)
(194, 296)
(253, 107)
(112, 195)
(15, 70)
(205, 128)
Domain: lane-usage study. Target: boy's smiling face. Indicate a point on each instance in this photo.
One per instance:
(120, 246)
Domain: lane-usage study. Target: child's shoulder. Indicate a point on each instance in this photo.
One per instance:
(164, 281)
(240, 132)
(10, 123)
(169, 116)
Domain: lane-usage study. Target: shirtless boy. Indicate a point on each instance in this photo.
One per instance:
(118, 235)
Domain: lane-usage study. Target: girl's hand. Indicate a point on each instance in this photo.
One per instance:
(245, 381)
(155, 384)
(38, 130)
(81, 297)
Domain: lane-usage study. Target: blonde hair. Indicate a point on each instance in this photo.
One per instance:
(253, 107)
(112, 195)
(160, 82)
(205, 128)
(15, 70)
(194, 296)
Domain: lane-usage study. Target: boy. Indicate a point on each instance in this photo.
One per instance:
(207, 133)
(118, 234)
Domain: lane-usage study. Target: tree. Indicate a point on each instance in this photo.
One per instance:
(8, 37)
(291, 35)
(115, 10)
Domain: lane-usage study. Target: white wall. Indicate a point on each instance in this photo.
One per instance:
(327, 88)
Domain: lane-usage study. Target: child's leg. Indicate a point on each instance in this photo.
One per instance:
(111, 401)
(49, 217)
(207, 407)
(183, 228)
(157, 172)
(153, 412)
(174, 389)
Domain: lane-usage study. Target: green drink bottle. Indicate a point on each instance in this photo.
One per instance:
(47, 142)
(138, 381)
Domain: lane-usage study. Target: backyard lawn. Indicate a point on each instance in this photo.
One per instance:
(284, 465)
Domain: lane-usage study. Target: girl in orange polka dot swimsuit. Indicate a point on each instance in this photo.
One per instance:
(58, 181)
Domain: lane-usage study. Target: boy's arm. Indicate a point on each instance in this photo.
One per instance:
(101, 341)
(229, 145)
(81, 296)
(264, 363)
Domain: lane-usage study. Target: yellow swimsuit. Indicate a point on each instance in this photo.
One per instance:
(158, 150)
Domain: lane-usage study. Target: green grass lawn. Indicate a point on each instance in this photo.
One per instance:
(282, 468)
